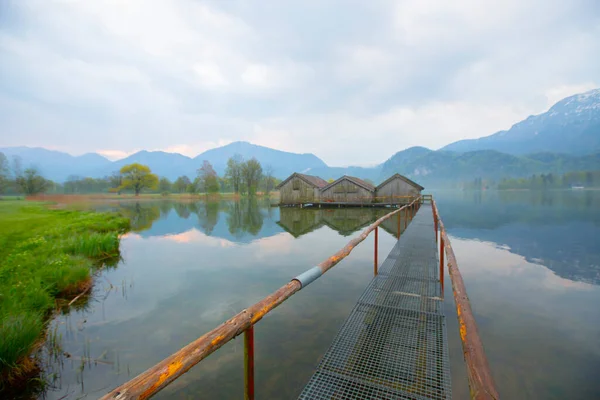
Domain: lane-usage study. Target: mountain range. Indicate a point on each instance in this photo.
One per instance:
(58, 166)
(565, 138)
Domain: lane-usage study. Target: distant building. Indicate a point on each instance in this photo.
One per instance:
(300, 189)
(397, 187)
(348, 189)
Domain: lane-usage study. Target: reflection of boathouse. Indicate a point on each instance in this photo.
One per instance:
(301, 189)
(346, 221)
(299, 221)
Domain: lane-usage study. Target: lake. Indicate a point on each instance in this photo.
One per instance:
(530, 261)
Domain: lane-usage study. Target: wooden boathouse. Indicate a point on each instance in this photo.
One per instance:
(348, 189)
(301, 189)
(397, 186)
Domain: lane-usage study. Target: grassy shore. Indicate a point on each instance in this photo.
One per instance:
(45, 254)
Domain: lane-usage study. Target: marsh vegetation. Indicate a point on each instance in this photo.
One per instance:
(45, 255)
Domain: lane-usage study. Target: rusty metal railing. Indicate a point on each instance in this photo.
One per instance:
(481, 383)
(156, 378)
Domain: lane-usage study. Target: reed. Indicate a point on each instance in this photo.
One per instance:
(45, 254)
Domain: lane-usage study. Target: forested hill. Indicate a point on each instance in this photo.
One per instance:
(446, 168)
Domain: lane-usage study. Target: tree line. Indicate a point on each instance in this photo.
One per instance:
(14, 179)
(241, 177)
(589, 179)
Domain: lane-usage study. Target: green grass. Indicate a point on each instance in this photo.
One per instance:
(45, 254)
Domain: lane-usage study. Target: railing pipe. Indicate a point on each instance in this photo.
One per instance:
(435, 224)
(481, 382)
(442, 265)
(156, 378)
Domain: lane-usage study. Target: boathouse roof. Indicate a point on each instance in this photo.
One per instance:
(402, 177)
(357, 181)
(314, 181)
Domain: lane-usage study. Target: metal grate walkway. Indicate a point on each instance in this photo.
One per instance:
(393, 345)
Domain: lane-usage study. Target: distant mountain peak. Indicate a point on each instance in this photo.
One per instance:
(572, 125)
(248, 145)
(578, 104)
(93, 156)
(594, 93)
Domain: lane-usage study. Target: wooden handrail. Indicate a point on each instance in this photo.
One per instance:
(481, 382)
(156, 378)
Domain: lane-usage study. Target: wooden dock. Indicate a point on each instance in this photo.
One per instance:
(337, 204)
(393, 345)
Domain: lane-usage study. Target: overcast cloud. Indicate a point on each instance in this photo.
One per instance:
(351, 81)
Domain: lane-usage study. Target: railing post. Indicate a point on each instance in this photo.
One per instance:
(442, 264)
(375, 263)
(399, 225)
(435, 224)
(249, 363)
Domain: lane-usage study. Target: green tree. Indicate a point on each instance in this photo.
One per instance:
(4, 172)
(180, 185)
(191, 188)
(251, 174)
(31, 182)
(269, 180)
(138, 177)
(72, 184)
(207, 178)
(225, 185)
(115, 182)
(17, 167)
(233, 172)
(164, 185)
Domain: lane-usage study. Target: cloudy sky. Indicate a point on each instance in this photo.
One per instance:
(351, 81)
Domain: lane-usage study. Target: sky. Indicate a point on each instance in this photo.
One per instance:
(350, 81)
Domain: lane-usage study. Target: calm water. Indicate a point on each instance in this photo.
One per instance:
(531, 263)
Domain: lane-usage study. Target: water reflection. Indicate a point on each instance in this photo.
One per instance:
(189, 266)
(530, 262)
(244, 220)
(301, 221)
(558, 229)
